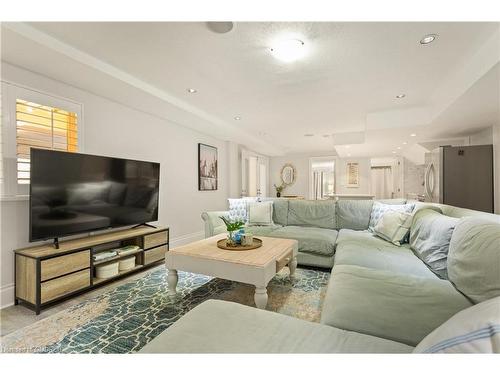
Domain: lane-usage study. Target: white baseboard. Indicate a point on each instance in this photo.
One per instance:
(187, 238)
(7, 295)
(7, 291)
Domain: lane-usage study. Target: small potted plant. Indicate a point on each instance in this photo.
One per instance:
(232, 228)
(279, 189)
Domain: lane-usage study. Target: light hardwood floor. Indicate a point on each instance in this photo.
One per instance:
(13, 318)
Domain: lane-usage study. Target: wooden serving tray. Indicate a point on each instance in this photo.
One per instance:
(257, 242)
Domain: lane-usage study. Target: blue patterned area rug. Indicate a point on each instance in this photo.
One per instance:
(125, 319)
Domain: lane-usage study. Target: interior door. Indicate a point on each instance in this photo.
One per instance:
(254, 174)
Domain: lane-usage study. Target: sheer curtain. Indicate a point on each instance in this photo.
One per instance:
(318, 185)
(382, 184)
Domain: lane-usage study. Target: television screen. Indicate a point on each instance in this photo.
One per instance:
(72, 193)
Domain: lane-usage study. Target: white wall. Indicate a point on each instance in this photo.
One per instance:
(301, 163)
(115, 130)
(484, 137)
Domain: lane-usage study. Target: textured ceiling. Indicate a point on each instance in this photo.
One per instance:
(352, 73)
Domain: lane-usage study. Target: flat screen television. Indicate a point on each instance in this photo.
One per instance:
(72, 193)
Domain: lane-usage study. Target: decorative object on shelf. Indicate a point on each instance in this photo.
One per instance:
(288, 174)
(126, 264)
(352, 171)
(106, 271)
(232, 227)
(127, 249)
(104, 255)
(279, 189)
(207, 167)
(247, 239)
(256, 243)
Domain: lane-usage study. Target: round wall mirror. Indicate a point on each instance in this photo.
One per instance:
(288, 174)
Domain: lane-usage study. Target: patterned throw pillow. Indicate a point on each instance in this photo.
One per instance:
(238, 208)
(379, 209)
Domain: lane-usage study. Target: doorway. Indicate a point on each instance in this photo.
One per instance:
(322, 177)
(255, 174)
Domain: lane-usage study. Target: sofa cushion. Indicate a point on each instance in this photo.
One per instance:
(216, 327)
(353, 214)
(262, 230)
(473, 330)
(379, 209)
(390, 305)
(311, 240)
(280, 210)
(319, 214)
(367, 250)
(430, 237)
(474, 258)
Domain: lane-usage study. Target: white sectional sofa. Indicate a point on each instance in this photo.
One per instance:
(380, 298)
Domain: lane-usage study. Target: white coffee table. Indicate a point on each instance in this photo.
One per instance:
(256, 267)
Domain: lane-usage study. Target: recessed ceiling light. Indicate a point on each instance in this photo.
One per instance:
(192, 91)
(237, 118)
(348, 154)
(394, 152)
(428, 39)
(288, 50)
(413, 135)
(309, 135)
(326, 135)
(399, 148)
(405, 143)
(400, 96)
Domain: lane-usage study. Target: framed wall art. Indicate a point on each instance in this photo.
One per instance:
(207, 167)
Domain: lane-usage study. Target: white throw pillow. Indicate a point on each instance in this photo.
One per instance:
(238, 208)
(393, 226)
(260, 213)
(473, 330)
(378, 209)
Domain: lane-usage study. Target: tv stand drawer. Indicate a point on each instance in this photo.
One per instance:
(155, 239)
(154, 255)
(64, 285)
(64, 264)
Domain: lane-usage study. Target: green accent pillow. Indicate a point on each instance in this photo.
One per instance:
(393, 226)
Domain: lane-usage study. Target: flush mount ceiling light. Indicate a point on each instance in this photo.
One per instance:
(413, 135)
(288, 50)
(400, 96)
(237, 118)
(427, 39)
(405, 143)
(192, 91)
(220, 27)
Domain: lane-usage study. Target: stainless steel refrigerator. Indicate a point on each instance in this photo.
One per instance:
(460, 176)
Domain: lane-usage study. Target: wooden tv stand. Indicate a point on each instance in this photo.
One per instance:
(45, 275)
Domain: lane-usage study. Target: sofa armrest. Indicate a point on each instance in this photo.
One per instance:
(213, 223)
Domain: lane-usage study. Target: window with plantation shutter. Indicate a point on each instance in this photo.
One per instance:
(42, 126)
